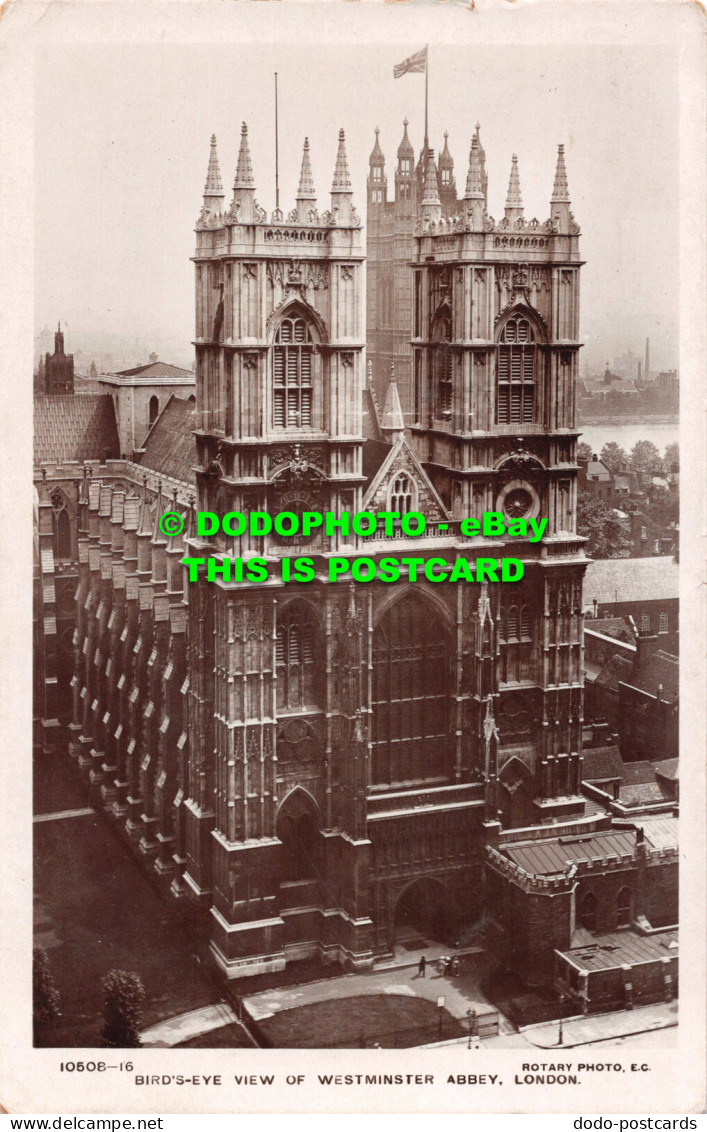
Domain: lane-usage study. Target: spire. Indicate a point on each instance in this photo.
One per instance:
(446, 161)
(482, 161)
(431, 204)
(405, 148)
(342, 179)
(514, 201)
(244, 172)
(306, 196)
(560, 199)
(341, 198)
(376, 157)
(393, 422)
(157, 535)
(560, 191)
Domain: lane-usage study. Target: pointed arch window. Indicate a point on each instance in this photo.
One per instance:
(402, 494)
(516, 362)
(292, 375)
(295, 658)
(443, 358)
(588, 912)
(61, 522)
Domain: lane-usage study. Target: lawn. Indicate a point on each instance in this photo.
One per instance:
(95, 911)
(387, 1020)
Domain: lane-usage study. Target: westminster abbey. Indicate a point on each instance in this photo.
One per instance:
(313, 763)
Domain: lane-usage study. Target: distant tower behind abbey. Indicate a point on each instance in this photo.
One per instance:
(390, 248)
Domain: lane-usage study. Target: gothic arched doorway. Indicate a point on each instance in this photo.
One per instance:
(423, 912)
(516, 795)
(298, 830)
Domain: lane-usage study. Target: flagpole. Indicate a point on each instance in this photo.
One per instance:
(427, 67)
(277, 178)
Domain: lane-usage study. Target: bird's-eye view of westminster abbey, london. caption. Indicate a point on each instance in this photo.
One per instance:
(333, 813)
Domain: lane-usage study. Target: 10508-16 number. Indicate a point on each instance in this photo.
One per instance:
(92, 1066)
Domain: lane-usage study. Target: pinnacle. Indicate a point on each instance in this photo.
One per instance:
(244, 171)
(405, 148)
(376, 157)
(445, 158)
(213, 186)
(474, 186)
(560, 191)
(306, 182)
(342, 179)
(393, 418)
(514, 199)
(431, 193)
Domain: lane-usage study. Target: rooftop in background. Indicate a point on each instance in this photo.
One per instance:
(70, 427)
(553, 855)
(153, 372)
(617, 580)
(169, 447)
(659, 674)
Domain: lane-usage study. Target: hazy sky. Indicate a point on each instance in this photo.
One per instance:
(122, 144)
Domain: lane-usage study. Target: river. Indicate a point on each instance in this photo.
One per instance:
(660, 430)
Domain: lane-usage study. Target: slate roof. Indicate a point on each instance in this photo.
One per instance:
(617, 668)
(601, 764)
(375, 452)
(661, 670)
(75, 427)
(660, 832)
(669, 769)
(157, 369)
(170, 447)
(617, 627)
(552, 856)
(614, 949)
(630, 579)
(638, 772)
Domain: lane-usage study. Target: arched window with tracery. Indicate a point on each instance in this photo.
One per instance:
(411, 694)
(293, 374)
(516, 362)
(61, 522)
(442, 365)
(515, 638)
(296, 654)
(588, 912)
(402, 494)
(623, 908)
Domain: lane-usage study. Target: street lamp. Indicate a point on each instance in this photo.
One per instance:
(471, 1016)
(560, 1035)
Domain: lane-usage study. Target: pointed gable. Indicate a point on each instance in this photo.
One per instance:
(402, 460)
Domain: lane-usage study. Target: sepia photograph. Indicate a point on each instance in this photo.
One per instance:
(359, 396)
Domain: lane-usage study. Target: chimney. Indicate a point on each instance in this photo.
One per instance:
(646, 645)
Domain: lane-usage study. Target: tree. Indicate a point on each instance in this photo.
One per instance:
(662, 506)
(584, 451)
(45, 996)
(614, 456)
(672, 456)
(645, 457)
(123, 998)
(609, 535)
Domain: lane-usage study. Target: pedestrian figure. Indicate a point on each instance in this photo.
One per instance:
(455, 966)
(421, 967)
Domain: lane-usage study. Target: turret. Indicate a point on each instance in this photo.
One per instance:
(244, 184)
(560, 199)
(445, 178)
(514, 201)
(377, 181)
(306, 199)
(405, 180)
(341, 195)
(431, 204)
(474, 194)
(213, 189)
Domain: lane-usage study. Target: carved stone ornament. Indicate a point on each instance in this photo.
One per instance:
(347, 360)
(250, 361)
(297, 459)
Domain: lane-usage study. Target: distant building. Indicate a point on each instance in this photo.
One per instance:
(644, 588)
(140, 393)
(58, 368)
(596, 479)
